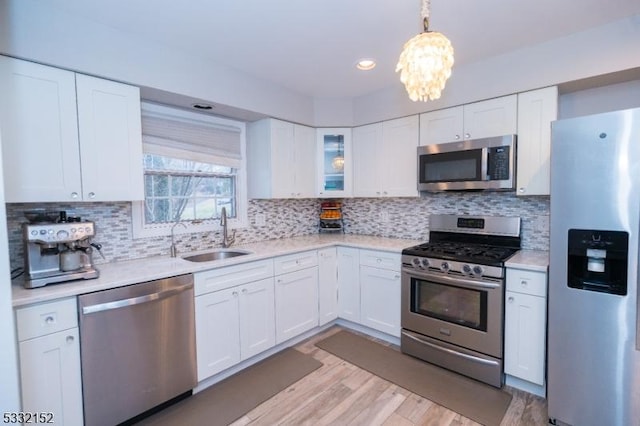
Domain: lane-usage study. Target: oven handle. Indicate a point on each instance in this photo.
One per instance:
(445, 279)
(451, 351)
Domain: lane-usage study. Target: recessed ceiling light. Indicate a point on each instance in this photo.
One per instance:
(366, 64)
(202, 106)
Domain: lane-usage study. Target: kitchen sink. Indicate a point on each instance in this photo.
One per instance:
(216, 255)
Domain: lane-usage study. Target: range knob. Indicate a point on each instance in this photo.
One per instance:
(444, 266)
(62, 234)
(466, 269)
(415, 262)
(424, 263)
(477, 271)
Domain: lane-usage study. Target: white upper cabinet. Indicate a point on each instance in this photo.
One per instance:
(442, 126)
(536, 110)
(334, 162)
(493, 117)
(110, 139)
(384, 158)
(39, 124)
(367, 150)
(281, 160)
(62, 145)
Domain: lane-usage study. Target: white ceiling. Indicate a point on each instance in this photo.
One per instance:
(311, 47)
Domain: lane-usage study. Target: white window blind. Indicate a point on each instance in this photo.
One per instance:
(179, 134)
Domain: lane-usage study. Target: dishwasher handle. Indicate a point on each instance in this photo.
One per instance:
(116, 304)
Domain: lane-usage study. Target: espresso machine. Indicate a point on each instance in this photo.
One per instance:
(57, 252)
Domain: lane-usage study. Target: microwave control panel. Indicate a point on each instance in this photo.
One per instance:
(498, 163)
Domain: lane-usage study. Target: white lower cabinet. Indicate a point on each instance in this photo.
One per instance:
(233, 323)
(380, 291)
(296, 303)
(49, 348)
(380, 305)
(525, 325)
(327, 285)
(369, 288)
(349, 283)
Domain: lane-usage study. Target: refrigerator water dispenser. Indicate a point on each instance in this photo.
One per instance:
(597, 260)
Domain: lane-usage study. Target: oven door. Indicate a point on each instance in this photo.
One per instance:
(460, 310)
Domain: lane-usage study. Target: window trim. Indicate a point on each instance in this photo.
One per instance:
(142, 230)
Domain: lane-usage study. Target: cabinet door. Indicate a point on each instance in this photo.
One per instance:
(367, 155)
(38, 117)
(50, 376)
(536, 110)
(304, 162)
(327, 285)
(348, 284)
(441, 126)
(257, 318)
(334, 162)
(217, 331)
(397, 161)
(494, 117)
(111, 140)
(524, 336)
(380, 304)
(296, 303)
(282, 159)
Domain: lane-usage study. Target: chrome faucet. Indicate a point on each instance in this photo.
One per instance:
(226, 241)
(173, 243)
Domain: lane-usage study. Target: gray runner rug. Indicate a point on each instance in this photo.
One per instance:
(475, 400)
(233, 397)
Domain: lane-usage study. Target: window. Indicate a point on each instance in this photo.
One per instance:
(193, 168)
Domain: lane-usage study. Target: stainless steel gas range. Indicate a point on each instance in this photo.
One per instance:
(453, 294)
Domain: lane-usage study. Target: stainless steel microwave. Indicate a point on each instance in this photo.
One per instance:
(475, 164)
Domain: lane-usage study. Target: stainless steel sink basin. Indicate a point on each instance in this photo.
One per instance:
(216, 255)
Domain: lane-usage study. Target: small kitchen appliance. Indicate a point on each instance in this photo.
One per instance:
(473, 164)
(593, 334)
(453, 294)
(58, 252)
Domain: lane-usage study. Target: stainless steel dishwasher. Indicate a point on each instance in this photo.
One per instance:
(137, 348)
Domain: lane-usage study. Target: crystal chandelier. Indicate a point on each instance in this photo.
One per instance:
(425, 62)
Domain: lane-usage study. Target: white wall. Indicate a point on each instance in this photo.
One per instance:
(9, 392)
(33, 30)
(601, 50)
(601, 99)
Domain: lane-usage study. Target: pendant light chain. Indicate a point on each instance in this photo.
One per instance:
(426, 14)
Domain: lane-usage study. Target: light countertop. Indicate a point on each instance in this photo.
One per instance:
(119, 274)
(532, 260)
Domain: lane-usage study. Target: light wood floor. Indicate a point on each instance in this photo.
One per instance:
(339, 393)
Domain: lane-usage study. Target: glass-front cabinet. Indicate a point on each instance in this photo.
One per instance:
(334, 157)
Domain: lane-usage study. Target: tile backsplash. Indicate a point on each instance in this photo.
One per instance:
(388, 217)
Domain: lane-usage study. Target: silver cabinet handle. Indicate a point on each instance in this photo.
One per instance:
(49, 320)
(74, 195)
(92, 195)
(70, 339)
(91, 309)
(451, 351)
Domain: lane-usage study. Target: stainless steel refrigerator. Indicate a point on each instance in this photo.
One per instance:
(593, 343)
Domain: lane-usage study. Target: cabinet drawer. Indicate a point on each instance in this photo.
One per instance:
(527, 282)
(46, 318)
(295, 262)
(380, 259)
(230, 276)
